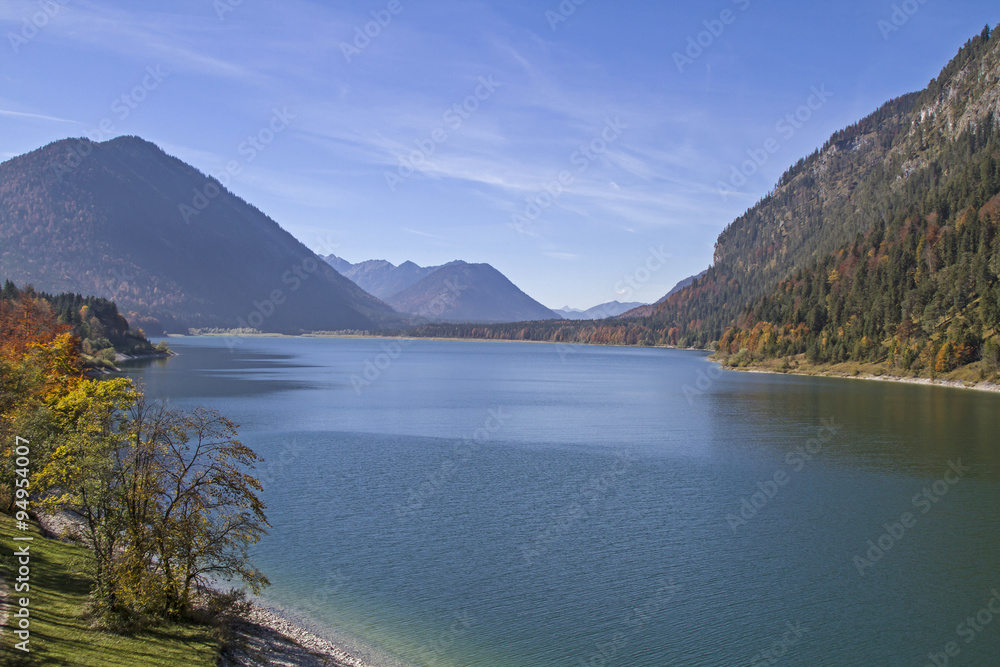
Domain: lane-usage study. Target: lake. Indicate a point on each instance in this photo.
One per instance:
(516, 504)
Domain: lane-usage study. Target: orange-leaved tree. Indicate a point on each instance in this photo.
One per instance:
(39, 363)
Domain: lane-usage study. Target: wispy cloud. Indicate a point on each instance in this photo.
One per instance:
(355, 121)
(152, 36)
(565, 256)
(36, 116)
(418, 232)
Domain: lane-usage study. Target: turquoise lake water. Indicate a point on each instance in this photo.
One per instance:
(505, 504)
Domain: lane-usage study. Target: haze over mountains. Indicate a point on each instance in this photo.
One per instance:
(598, 312)
(455, 292)
(125, 221)
(401, 277)
(884, 240)
(681, 285)
(507, 304)
(646, 310)
(881, 247)
(379, 277)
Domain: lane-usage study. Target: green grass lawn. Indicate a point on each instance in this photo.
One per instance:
(59, 633)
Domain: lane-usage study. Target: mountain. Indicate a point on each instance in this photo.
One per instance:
(681, 285)
(879, 246)
(604, 310)
(644, 310)
(462, 292)
(881, 249)
(341, 265)
(379, 277)
(125, 221)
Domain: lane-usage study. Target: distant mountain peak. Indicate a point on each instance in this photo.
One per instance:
(133, 140)
(599, 312)
(462, 292)
(380, 277)
(106, 220)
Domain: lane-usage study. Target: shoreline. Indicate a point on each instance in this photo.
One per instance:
(989, 387)
(119, 357)
(440, 338)
(262, 637)
(265, 637)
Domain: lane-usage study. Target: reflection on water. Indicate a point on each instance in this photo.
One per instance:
(890, 426)
(593, 525)
(216, 370)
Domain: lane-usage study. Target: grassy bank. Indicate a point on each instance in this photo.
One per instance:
(971, 376)
(60, 633)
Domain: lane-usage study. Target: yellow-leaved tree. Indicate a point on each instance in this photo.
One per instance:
(168, 499)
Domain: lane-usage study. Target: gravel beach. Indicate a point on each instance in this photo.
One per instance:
(265, 638)
(262, 638)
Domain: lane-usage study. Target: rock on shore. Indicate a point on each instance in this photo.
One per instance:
(263, 638)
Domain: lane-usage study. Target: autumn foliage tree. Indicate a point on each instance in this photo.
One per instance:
(167, 498)
(38, 363)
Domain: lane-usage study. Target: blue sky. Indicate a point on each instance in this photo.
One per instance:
(572, 146)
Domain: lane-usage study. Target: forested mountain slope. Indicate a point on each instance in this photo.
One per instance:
(882, 247)
(125, 221)
(910, 157)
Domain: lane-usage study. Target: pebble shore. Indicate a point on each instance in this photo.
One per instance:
(262, 638)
